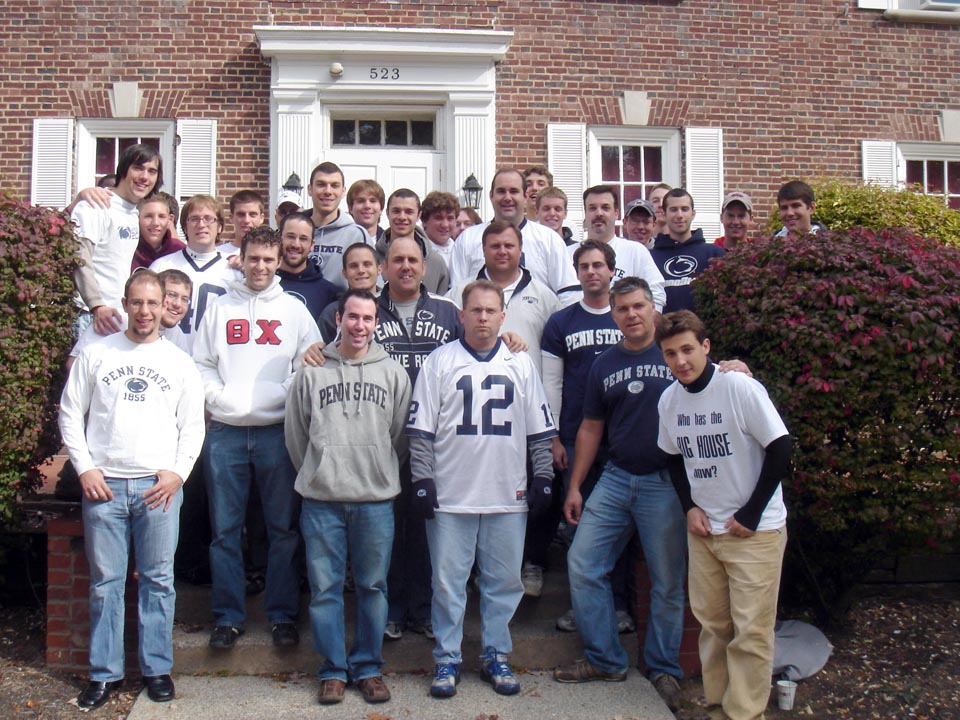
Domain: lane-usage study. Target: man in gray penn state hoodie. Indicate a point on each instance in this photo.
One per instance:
(334, 231)
(344, 432)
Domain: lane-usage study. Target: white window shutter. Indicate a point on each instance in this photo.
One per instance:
(704, 178)
(567, 160)
(196, 158)
(880, 162)
(52, 162)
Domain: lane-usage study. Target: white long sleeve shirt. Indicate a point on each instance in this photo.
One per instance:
(131, 409)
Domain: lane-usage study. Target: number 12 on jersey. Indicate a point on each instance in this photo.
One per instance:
(497, 400)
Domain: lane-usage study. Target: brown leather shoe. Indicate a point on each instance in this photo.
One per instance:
(584, 671)
(331, 691)
(374, 689)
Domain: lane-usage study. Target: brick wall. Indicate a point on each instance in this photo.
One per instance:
(68, 608)
(795, 85)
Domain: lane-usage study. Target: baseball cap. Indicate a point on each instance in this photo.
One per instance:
(644, 205)
(740, 197)
(288, 196)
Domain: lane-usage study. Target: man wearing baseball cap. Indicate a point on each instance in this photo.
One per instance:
(736, 215)
(640, 222)
(288, 202)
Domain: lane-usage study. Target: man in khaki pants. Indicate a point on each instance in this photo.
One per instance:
(729, 451)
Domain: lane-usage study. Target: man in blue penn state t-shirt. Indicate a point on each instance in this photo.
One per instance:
(621, 398)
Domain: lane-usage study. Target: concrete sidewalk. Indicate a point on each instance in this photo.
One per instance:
(254, 698)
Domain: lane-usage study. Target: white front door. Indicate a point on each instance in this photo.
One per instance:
(418, 170)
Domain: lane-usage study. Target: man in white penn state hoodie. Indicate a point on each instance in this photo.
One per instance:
(249, 344)
(344, 431)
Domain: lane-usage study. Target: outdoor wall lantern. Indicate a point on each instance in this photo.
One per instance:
(472, 190)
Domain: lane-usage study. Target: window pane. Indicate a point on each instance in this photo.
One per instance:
(124, 143)
(954, 203)
(396, 132)
(934, 177)
(631, 193)
(915, 172)
(106, 159)
(652, 164)
(369, 132)
(631, 163)
(953, 177)
(422, 132)
(153, 142)
(344, 132)
(610, 161)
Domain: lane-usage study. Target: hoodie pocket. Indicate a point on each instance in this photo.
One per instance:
(350, 467)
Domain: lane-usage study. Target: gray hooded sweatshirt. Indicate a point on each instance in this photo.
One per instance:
(344, 427)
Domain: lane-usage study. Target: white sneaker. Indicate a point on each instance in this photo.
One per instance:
(532, 578)
(567, 622)
(625, 623)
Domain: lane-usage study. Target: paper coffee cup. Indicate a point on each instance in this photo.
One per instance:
(786, 692)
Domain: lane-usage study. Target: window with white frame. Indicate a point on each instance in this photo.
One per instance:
(634, 159)
(71, 154)
(930, 168)
(931, 5)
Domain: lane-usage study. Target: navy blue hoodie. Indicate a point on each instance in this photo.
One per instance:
(680, 263)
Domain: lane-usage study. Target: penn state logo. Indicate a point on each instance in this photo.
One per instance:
(136, 385)
(529, 300)
(424, 315)
(636, 387)
(124, 233)
(680, 266)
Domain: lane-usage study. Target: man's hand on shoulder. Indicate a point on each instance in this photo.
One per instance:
(734, 366)
(96, 196)
(514, 342)
(314, 355)
(94, 486)
(167, 487)
(106, 320)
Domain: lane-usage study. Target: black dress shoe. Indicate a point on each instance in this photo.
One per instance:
(159, 687)
(97, 693)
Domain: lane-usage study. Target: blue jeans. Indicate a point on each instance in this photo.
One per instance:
(234, 457)
(496, 539)
(330, 531)
(619, 501)
(108, 527)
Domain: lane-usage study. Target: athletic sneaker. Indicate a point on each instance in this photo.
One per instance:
(567, 622)
(532, 578)
(625, 623)
(495, 669)
(393, 631)
(445, 679)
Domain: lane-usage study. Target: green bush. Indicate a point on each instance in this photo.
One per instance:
(843, 205)
(37, 260)
(854, 334)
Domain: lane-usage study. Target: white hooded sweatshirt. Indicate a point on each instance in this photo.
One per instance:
(248, 346)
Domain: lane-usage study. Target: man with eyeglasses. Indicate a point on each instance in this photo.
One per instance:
(201, 261)
(131, 416)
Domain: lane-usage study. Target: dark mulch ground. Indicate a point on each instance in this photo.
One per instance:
(898, 656)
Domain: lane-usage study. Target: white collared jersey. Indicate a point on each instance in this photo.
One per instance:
(479, 414)
(211, 275)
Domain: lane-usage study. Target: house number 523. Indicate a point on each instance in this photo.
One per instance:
(384, 73)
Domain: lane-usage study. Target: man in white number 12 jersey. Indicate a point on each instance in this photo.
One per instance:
(477, 408)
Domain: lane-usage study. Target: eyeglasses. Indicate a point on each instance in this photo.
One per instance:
(172, 296)
(204, 220)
